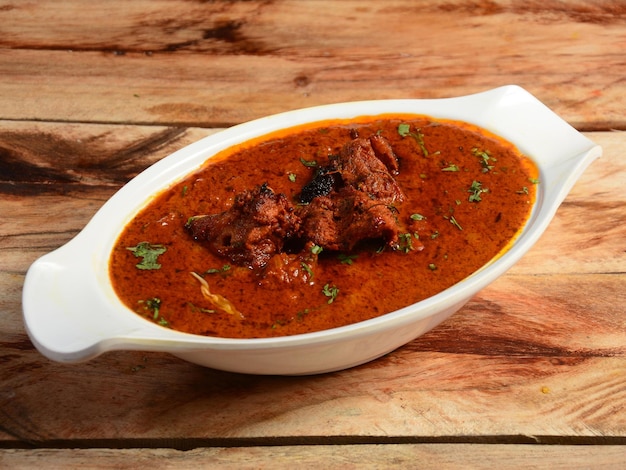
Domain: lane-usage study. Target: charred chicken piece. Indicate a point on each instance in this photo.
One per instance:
(321, 184)
(325, 178)
(340, 222)
(351, 199)
(360, 167)
(249, 233)
(362, 206)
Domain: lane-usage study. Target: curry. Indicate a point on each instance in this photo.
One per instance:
(323, 225)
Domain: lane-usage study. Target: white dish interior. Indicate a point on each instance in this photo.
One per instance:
(72, 314)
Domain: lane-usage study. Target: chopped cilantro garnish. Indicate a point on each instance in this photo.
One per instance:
(309, 163)
(153, 305)
(346, 259)
(223, 269)
(149, 254)
(406, 242)
(331, 292)
(404, 130)
(476, 189)
(485, 159)
(454, 222)
(195, 308)
(302, 313)
(307, 268)
(452, 168)
(316, 249)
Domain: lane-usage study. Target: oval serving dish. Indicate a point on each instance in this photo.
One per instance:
(72, 314)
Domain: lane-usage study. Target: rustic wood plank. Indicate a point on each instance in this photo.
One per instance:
(39, 158)
(521, 359)
(573, 343)
(545, 340)
(221, 63)
(538, 357)
(441, 456)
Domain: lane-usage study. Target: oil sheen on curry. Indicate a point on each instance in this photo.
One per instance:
(323, 225)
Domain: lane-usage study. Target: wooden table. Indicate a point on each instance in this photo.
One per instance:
(531, 373)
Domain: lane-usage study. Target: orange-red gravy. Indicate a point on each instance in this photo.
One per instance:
(458, 235)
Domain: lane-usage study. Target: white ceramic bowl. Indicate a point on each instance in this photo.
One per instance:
(72, 313)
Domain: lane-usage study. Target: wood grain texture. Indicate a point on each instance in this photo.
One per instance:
(440, 456)
(219, 63)
(539, 353)
(530, 373)
(152, 400)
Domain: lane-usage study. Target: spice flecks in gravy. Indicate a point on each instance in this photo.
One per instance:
(467, 193)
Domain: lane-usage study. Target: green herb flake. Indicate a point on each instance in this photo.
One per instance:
(194, 308)
(302, 313)
(331, 292)
(485, 159)
(153, 305)
(149, 254)
(308, 163)
(418, 217)
(451, 168)
(406, 242)
(533, 180)
(292, 177)
(316, 249)
(404, 130)
(432, 266)
(419, 137)
(307, 268)
(524, 190)
(223, 269)
(454, 222)
(346, 259)
(476, 189)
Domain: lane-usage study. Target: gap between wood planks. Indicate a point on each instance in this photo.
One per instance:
(186, 444)
(218, 125)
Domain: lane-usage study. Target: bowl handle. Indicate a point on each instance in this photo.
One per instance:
(65, 313)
